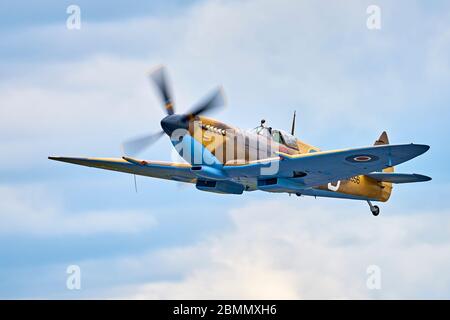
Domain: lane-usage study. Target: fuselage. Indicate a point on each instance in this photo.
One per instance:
(204, 141)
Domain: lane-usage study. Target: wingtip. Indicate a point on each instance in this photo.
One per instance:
(425, 146)
(422, 147)
(423, 178)
(62, 159)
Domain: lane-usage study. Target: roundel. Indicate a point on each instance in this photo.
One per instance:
(362, 158)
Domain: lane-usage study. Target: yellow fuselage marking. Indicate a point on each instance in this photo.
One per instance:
(362, 186)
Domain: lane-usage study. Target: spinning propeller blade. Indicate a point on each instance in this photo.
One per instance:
(213, 101)
(160, 80)
(134, 146)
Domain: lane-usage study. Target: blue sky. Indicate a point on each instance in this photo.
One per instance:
(83, 92)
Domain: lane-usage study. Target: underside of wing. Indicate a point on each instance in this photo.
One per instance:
(156, 169)
(324, 167)
(398, 177)
(319, 168)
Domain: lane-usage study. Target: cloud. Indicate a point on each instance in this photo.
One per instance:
(291, 250)
(438, 61)
(80, 108)
(321, 59)
(32, 211)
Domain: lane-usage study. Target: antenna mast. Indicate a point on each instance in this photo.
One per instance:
(293, 125)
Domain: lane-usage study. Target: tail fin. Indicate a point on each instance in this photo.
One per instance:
(383, 139)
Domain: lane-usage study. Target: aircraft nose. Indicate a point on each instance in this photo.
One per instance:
(173, 122)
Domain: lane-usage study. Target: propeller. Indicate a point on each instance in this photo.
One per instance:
(171, 121)
(136, 145)
(160, 80)
(215, 100)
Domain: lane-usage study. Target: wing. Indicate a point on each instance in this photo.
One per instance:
(157, 169)
(315, 169)
(398, 177)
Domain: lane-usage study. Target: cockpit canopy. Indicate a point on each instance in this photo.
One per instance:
(285, 138)
(279, 136)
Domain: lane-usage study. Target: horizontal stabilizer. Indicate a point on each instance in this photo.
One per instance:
(398, 177)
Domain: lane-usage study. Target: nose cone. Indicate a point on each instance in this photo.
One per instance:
(173, 122)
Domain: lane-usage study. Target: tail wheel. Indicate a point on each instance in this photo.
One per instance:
(375, 210)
